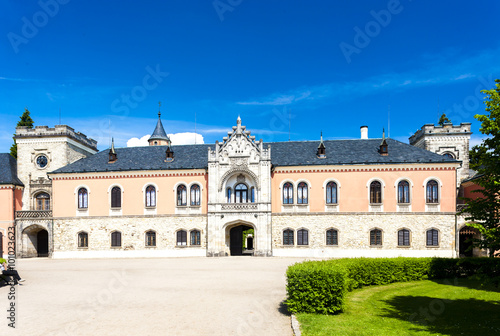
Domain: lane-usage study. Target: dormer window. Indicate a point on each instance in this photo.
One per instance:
(169, 155)
(321, 153)
(383, 145)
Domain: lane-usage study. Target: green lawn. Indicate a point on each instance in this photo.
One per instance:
(445, 307)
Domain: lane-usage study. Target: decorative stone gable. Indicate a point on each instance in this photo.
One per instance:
(239, 173)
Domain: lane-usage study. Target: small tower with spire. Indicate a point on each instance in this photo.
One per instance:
(383, 145)
(112, 153)
(159, 136)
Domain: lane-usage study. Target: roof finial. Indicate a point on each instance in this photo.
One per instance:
(159, 109)
(238, 121)
(322, 136)
(112, 146)
(383, 133)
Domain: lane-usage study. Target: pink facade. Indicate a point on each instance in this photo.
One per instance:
(10, 202)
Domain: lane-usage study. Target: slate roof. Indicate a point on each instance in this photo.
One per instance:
(345, 152)
(295, 153)
(8, 170)
(159, 132)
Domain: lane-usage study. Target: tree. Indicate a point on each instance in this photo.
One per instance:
(443, 120)
(25, 121)
(484, 211)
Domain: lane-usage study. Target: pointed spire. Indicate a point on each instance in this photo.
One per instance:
(321, 153)
(112, 153)
(383, 145)
(159, 136)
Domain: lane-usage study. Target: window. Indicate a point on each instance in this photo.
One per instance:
(449, 155)
(252, 194)
(288, 237)
(83, 198)
(404, 237)
(288, 193)
(403, 192)
(302, 193)
(432, 237)
(302, 237)
(375, 192)
(181, 238)
(228, 195)
(42, 201)
(432, 194)
(181, 195)
(116, 197)
(116, 239)
(240, 193)
(332, 237)
(331, 193)
(150, 196)
(195, 238)
(83, 240)
(195, 194)
(150, 238)
(375, 237)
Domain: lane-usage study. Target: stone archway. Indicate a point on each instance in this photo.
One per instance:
(35, 242)
(465, 235)
(236, 240)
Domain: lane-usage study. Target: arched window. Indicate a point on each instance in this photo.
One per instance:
(116, 197)
(432, 193)
(228, 195)
(150, 238)
(195, 238)
(288, 193)
(83, 198)
(404, 237)
(332, 237)
(181, 195)
(116, 239)
(42, 201)
(252, 194)
(83, 240)
(375, 237)
(331, 193)
(195, 194)
(403, 192)
(449, 155)
(375, 192)
(181, 238)
(302, 193)
(432, 237)
(241, 193)
(288, 237)
(302, 237)
(150, 196)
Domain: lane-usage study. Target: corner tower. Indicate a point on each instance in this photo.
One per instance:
(159, 136)
(449, 140)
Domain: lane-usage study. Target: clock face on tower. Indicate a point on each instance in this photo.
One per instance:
(41, 161)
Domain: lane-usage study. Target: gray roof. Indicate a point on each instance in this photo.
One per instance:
(344, 152)
(159, 132)
(294, 153)
(8, 170)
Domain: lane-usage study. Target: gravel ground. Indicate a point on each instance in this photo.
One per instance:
(181, 296)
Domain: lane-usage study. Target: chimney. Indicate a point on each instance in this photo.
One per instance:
(364, 132)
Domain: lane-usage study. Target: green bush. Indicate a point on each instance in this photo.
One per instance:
(320, 286)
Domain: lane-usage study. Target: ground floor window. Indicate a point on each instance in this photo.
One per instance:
(195, 237)
(181, 238)
(404, 237)
(432, 237)
(83, 239)
(116, 239)
(303, 237)
(332, 237)
(375, 237)
(150, 238)
(288, 237)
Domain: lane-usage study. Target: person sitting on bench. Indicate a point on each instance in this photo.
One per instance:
(9, 272)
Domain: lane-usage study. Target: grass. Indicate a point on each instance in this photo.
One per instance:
(446, 307)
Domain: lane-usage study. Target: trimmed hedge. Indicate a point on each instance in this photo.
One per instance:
(320, 286)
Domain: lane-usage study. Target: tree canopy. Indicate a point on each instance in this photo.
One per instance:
(25, 121)
(443, 120)
(483, 212)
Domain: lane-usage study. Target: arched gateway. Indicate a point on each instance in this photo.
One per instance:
(35, 242)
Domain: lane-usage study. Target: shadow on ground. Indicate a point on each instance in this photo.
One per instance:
(283, 308)
(446, 317)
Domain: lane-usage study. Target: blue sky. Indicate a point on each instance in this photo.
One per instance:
(328, 66)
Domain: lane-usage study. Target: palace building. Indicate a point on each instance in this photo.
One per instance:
(240, 196)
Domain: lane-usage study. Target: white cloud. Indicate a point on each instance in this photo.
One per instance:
(476, 140)
(136, 142)
(184, 138)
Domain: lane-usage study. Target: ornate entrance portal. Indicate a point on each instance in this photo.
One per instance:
(237, 240)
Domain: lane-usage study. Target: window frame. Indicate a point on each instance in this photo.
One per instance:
(181, 195)
(434, 191)
(405, 193)
(196, 189)
(82, 198)
(433, 239)
(376, 240)
(196, 234)
(181, 238)
(241, 195)
(116, 197)
(288, 237)
(42, 203)
(373, 193)
(150, 238)
(335, 239)
(329, 194)
(287, 193)
(302, 237)
(150, 196)
(403, 236)
(116, 237)
(86, 240)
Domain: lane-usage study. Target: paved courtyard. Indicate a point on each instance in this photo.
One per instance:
(182, 296)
